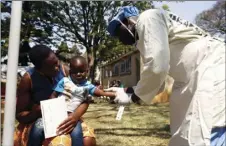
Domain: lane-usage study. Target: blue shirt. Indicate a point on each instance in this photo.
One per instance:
(73, 93)
(87, 84)
(218, 136)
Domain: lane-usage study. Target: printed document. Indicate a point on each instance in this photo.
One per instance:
(53, 113)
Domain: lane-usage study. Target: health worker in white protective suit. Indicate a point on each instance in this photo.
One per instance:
(196, 61)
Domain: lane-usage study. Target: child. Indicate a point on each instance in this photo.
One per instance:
(74, 96)
(75, 87)
(98, 85)
(78, 75)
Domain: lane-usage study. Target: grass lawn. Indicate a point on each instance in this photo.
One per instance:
(140, 125)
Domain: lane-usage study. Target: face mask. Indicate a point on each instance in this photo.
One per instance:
(126, 28)
(134, 36)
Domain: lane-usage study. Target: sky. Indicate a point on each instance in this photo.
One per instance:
(188, 9)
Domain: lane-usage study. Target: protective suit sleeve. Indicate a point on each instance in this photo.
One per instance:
(154, 50)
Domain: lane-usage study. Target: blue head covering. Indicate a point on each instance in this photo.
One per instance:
(124, 12)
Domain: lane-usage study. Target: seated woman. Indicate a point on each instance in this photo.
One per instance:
(37, 85)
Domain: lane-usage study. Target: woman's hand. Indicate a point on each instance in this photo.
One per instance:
(70, 122)
(36, 107)
(67, 125)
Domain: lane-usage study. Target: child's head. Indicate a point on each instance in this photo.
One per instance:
(96, 82)
(78, 69)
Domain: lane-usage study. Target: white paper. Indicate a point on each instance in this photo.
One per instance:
(53, 113)
(120, 112)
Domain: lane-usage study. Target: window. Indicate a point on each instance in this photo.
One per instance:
(110, 73)
(115, 70)
(128, 65)
(123, 67)
(106, 73)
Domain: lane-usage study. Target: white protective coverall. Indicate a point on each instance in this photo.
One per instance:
(171, 45)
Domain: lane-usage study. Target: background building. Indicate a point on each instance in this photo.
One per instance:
(125, 68)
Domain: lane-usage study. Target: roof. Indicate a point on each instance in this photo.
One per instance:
(115, 59)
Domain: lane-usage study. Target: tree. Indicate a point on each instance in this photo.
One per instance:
(213, 20)
(166, 7)
(33, 28)
(85, 22)
(54, 22)
(64, 53)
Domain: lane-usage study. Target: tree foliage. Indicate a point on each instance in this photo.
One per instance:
(55, 23)
(213, 20)
(85, 22)
(165, 7)
(33, 27)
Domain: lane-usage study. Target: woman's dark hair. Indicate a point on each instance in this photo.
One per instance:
(38, 54)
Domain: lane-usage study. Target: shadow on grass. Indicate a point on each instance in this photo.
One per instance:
(109, 141)
(162, 113)
(101, 116)
(154, 132)
(98, 110)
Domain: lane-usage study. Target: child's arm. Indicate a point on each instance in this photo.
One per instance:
(99, 92)
(59, 88)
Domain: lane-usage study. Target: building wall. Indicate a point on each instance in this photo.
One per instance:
(131, 79)
(128, 79)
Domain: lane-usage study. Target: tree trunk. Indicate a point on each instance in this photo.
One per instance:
(93, 67)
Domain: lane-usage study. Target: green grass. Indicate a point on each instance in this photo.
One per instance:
(140, 125)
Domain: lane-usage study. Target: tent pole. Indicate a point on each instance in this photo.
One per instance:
(13, 51)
